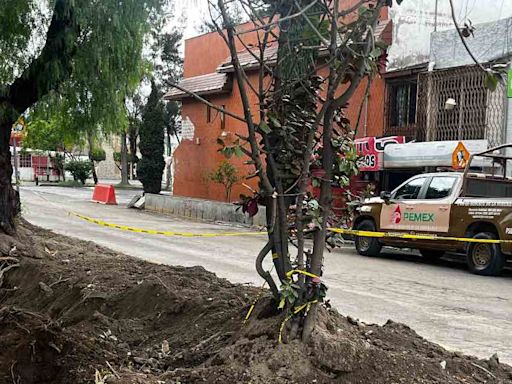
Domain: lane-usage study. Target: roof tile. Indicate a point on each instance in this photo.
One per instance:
(200, 85)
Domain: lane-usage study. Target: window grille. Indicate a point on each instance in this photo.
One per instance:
(479, 113)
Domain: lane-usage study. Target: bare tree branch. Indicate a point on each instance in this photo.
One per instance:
(279, 21)
(310, 23)
(204, 101)
(253, 141)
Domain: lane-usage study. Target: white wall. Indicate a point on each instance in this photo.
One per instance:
(413, 21)
(26, 174)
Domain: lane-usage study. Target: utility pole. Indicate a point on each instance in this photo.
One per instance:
(435, 16)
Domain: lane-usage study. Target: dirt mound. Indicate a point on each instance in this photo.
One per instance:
(74, 312)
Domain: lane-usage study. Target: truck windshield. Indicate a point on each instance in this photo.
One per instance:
(410, 190)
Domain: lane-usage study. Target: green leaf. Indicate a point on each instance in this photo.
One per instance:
(491, 81)
(376, 52)
(281, 303)
(238, 151)
(228, 152)
(265, 128)
(275, 121)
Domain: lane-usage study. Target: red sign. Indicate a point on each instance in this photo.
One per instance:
(18, 137)
(371, 149)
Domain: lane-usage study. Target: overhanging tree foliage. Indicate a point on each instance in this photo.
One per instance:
(325, 49)
(85, 65)
(151, 167)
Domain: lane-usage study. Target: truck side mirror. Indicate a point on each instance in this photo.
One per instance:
(386, 196)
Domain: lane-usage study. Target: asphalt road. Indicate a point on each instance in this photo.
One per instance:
(442, 302)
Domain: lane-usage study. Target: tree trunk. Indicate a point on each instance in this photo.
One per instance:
(91, 158)
(9, 198)
(325, 202)
(125, 171)
(94, 174)
(132, 138)
(124, 160)
(168, 176)
(59, 49)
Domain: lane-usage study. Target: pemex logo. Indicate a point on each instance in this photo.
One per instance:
(396, 218)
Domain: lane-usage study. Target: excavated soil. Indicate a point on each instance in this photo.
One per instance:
(75, 312)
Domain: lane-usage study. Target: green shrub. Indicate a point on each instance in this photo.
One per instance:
(130, 158)
(98, 154)
(81, 170)
(150, 168)
(227, 175)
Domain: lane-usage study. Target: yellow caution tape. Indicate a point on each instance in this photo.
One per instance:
(414, 237)
(296, 310)
(163, 233)
(335, 230)
(253, 305)
(300, 271)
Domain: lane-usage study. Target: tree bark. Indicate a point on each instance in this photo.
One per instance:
(124, 160)
(9, 198)
(91, 157)
(33, 84)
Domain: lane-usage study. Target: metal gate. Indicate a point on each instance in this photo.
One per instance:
(478, 114)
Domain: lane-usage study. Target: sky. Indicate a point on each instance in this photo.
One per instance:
(192, 13)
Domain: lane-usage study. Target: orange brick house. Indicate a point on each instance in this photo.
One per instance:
(208, 73)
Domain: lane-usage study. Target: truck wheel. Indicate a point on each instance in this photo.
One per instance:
(367, 246)
(431, 254)
(483, 258)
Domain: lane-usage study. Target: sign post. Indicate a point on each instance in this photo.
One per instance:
(17, 128)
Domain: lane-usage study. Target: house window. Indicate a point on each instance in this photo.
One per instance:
(208, 114)
(402, 108)
(25, 160)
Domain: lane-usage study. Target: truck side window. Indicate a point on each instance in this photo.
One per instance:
(410, 190)
(440, 187)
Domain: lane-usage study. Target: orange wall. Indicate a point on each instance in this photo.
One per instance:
(204, 53)
(375, 113)
(195, 160)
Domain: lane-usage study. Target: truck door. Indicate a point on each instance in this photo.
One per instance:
(396, 215)
(426, 209)
(438, 200)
